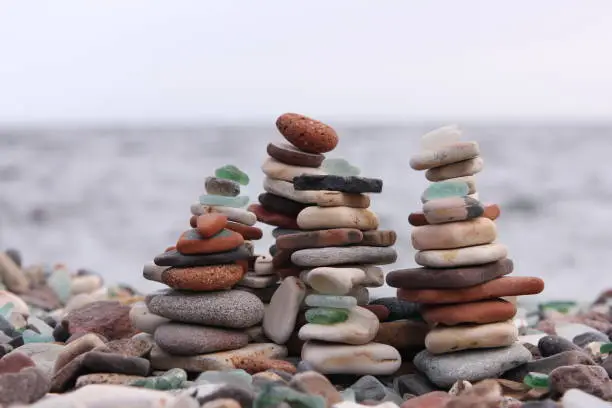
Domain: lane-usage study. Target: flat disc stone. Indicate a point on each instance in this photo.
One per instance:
(222, 187)
(441, 136)
(460, 169)
(430, 278)
(445, 189)
(288, 154)
(344, 255)
(219, 200)
(340, 167)
(444, 155)
(174, 258)
(451, 209)
(281, 205)
(349, 184)
(381, 238)
(485, 311)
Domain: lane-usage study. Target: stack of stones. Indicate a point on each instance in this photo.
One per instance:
(462, 285)
(327, 254)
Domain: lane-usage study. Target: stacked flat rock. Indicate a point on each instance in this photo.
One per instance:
(462, 286)
(211, 271)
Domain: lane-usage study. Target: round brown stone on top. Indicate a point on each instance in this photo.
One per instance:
(307, 134)
(486, 311)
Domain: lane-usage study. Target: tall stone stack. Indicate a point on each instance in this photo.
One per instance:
(462, 279)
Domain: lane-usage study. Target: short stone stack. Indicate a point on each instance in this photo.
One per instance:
(462, 279)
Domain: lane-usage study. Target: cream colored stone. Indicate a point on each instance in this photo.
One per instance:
(337, 217)
(449, 339)
(460, 169)
(340, 199)
(263, 265)
(233, 214)
(371, 358)
(285, 189)
(280, 315)
(441, 136)
(360, 328)
(281, 171)
(85, 284)
(450, 258)
(12, 276)
(334, 281)
(374, 275)
(477, 231)
(444, 155)
(142, 318)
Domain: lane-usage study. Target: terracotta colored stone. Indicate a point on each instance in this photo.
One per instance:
(170, 248)
(402, 334)
(289, 154)
(307, 134)
(14, 362)
(211, 224)
(380, 238)
(434, 399)
(486, 311)
(280, 205)
(254, 365)
(381, 311)
(191, 242)
(203, 278)
(111, 319)
(450, 209)
(448, 278)
(320, 238)
(270, 218)
(248, 232)
(339, 199)
(417, 219)
(505, 286)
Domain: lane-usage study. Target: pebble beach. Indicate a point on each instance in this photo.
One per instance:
(270, 297)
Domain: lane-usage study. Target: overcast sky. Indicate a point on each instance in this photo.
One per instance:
(185, 61)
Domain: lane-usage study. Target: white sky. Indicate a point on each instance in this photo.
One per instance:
(185, 61)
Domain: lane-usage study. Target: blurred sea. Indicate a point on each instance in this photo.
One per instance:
(110, 199)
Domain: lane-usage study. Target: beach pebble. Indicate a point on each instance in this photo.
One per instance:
(334, 281)
(487, 311)
(575, 398)
(254, 281)
(174, 258)
(233, 214)
(289, 154)
(360, 328)
(85, 284)
(96, 361)
(340, 199)
(106, 378)
(591, 379)
(77, 347)
(209, 225)
(152, 272)
(15, 362)
(319, 239)
(551, 345)
(548, 364)
(433, 399)
(311, 382)
(344, 255)
(248, 232)
(110, 396)
(253, 365)
(108, 318)
(443, 339)
(272, 218)
(452, 209)
(286, 189)
(280, 205)
(24, 387)
(337, 217)
(398, 309)
(413, 383)
(470, 256)
(44, 355)
(203, 278)
(12, 276)
(280, 316)
(460, 169)
(188, 340)
(443, 155)
(307, 134)
(441, 136)
(142, 318)
(344, 184)
(402, 334)
(221, 187)
(281, 171)
(191, 242)
(582, 340)
(263, 265)
(137, 346)
(451, 235)
(372, 358)
(19, 305)
(382, 238)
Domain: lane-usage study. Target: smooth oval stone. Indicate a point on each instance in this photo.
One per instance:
(233, 214)
(254, 281)
(460, 169)
(289, 154)
(203, 278)
(398, 309)
(237, 202)
(442, 136)
(279, 232)
(452, 258)
(575, 398)
(339, 199)
(345, 184)
(478, 231)
(322, 315)
(536, 380)
(582, 340)
(282, 171)
(263, 265)
(429, 278)
(221, 187)
(452, 209)
(189, 340)
(319, 239)
(344, 255)
(505, 286)
(450, 339)
(247, 231)
(338, 302)
(551, 345)
(381, 238)
(285, 189)
(487, 311)
(403, 334)
(470, 365)
(360, 328)
(142, 318)
(231, 172)
(372, 358)
(271, 218)
(334, 281)
(469, 180)
(233, 309)
(444, 155)
(209, 225)
(174, 258)
(337, 217)
(192, 243)
(340, 167)
(547, 364)
(308, 135)
(280, 205)
(417, 219)
(281, 314)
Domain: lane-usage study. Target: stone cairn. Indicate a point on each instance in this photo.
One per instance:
(462, 286)
(326, 252)
(208, 309)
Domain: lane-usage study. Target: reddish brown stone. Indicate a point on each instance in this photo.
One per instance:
(270, 218)
(402, 334)
(193, 221)
(191, 242)
(253, 365)
(486, 311)
(14, 362)
(417, 219)
(203, 278)
(319, 239)
(211, 224)
(380, 311)
(505, 286)
(248, 232)
(109, 318)
(434, 399)
(307, 134)
(282, 259)
(244, 264)
(170, 248)
(289, 154)
(380, 238)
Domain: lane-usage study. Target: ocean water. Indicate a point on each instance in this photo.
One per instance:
(110, 199)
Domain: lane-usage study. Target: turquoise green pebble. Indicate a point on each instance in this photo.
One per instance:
(236, 202)
(561, 306)
(321, 315)
(61, 282)
(605, 348)
(170, 380)
(444, 189)
(339, 302)
(536, 380)
(231, 172)
(273, 395)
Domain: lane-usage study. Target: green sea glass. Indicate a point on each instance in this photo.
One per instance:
(170, 380)
(606, 348)
(44, 334)
(239, 378)
(6, 310)
(231, 172)
(536, 380)
(561, 306)
(273, 395)
(60, 281)
(338, 302)
(340, 167)
(236, 202)
(445, 189)
(321, 315)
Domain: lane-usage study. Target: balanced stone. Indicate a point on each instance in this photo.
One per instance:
(143, 320)
(340, 167)
(280, 316)
(248, 232)
(338, 199)
(280, 204)
(254, 281)
(233, 309)
(222, 187)
(188, 339)
(191, 242)
(442, 136)
(448, 339)
(505, 286)
(417, 219)
(337, 217)
(452, 209)
(334, 281)
(382, 238)
(470, 365)
(233, 214)
(452, 235)
(320, 239)
(263, 265)
(271, 218)
(322, 315)
(307, 134)
(282, 171)
(287, 153)
(372, 358)
(486, 311)
(208, 225)
(174, 258)
(345, 184)
(360, 328)
(327, 301)
(231, 172)
(203, 278)
(153, 272)
(286, 189)
(238, 202)
(279, 232)
(429, 278)
(443, 155)
(452, 258)
(459, 169)
(344, 255)
(445, 189)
